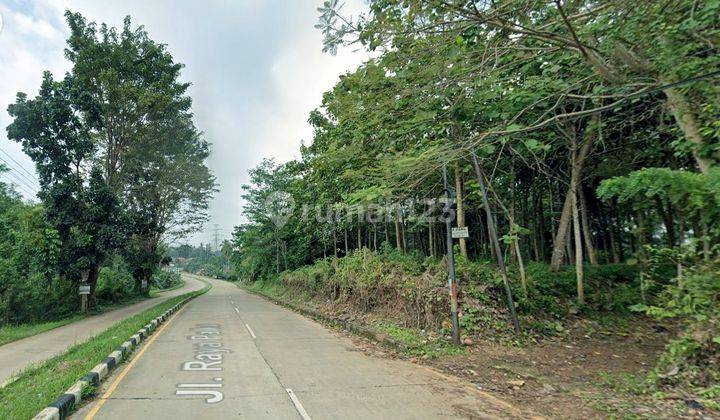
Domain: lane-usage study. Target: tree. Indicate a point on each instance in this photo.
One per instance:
(84, 212)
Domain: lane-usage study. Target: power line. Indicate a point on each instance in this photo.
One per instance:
(22, 187)
(18, 164)
(19, 175)
(13, 173)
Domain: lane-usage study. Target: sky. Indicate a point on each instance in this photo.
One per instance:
(256, 66)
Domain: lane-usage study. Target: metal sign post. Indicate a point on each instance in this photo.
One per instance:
(452, 282)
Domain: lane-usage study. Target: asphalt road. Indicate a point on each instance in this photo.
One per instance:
(231, 354)
(18, 355)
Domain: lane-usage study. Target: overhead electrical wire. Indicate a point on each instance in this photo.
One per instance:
(31, 175)
(30, 183)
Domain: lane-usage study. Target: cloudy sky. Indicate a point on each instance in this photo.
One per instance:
(256, 67)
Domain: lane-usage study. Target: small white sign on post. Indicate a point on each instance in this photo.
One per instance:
(84, 290)
(144, 284)
(460, 232)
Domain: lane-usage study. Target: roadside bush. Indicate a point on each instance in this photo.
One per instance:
(412, 289)
(166, 279)
(115, 282)
(692, 359)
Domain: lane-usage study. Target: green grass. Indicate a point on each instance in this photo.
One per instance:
(39, 385)
(154, 291)
(271, 289)
(417, 344)
(10, 333)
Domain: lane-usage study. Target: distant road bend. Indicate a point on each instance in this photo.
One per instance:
(230, 354)
(18, 355)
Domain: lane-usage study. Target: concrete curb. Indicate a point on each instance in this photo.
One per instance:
(67, 402)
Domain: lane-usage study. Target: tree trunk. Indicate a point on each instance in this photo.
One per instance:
(559, 244)
(387, 233)
(460, 209)
(521, 267)
(403, 239)
(516, 251)
(706, 241)
(277, 256)
(574, 184)
(587, 233)
(335, 243)
(577, 162)
(347, 246)
(667, 221)
(398, 237)
(688, 124)
(92, 278)
(431, 240)
(492, 233)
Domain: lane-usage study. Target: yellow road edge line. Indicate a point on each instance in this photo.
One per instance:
(130, 365)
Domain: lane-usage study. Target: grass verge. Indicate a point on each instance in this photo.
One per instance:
(154, 291)
(41, 384)
(10, 333)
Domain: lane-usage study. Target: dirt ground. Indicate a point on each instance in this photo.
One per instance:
(582, 375)
(569, 377)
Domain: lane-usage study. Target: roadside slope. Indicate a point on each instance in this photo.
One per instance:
(17, 355)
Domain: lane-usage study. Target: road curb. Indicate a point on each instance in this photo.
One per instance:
(67, 402)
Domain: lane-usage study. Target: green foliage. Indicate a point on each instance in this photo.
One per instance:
(203, 260)
(121, 167)
(166, 280)
(696, 194)
(693, 296)
(115, 282)
(419, 344)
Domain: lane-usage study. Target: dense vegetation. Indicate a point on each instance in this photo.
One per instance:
(590, 128)
(203, 260)
(121, 168)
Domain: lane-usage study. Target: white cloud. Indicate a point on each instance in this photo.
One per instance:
(29, 44)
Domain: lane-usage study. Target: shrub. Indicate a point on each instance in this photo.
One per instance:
(166, 279)
(115, 282)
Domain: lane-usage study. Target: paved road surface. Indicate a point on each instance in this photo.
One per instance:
(17, 355)
(231, 354)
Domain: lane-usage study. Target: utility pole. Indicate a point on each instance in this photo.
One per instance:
(452, 281)
(496, 243)
(216, 229)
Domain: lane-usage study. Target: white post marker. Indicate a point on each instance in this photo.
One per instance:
(296, 402)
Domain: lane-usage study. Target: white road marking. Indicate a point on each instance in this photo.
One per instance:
(199, 385)
(236, 310)
(250, 331)
(296, 402)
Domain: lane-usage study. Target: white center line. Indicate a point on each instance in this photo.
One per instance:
(236, 309)
(296, 402)
(250, 331)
